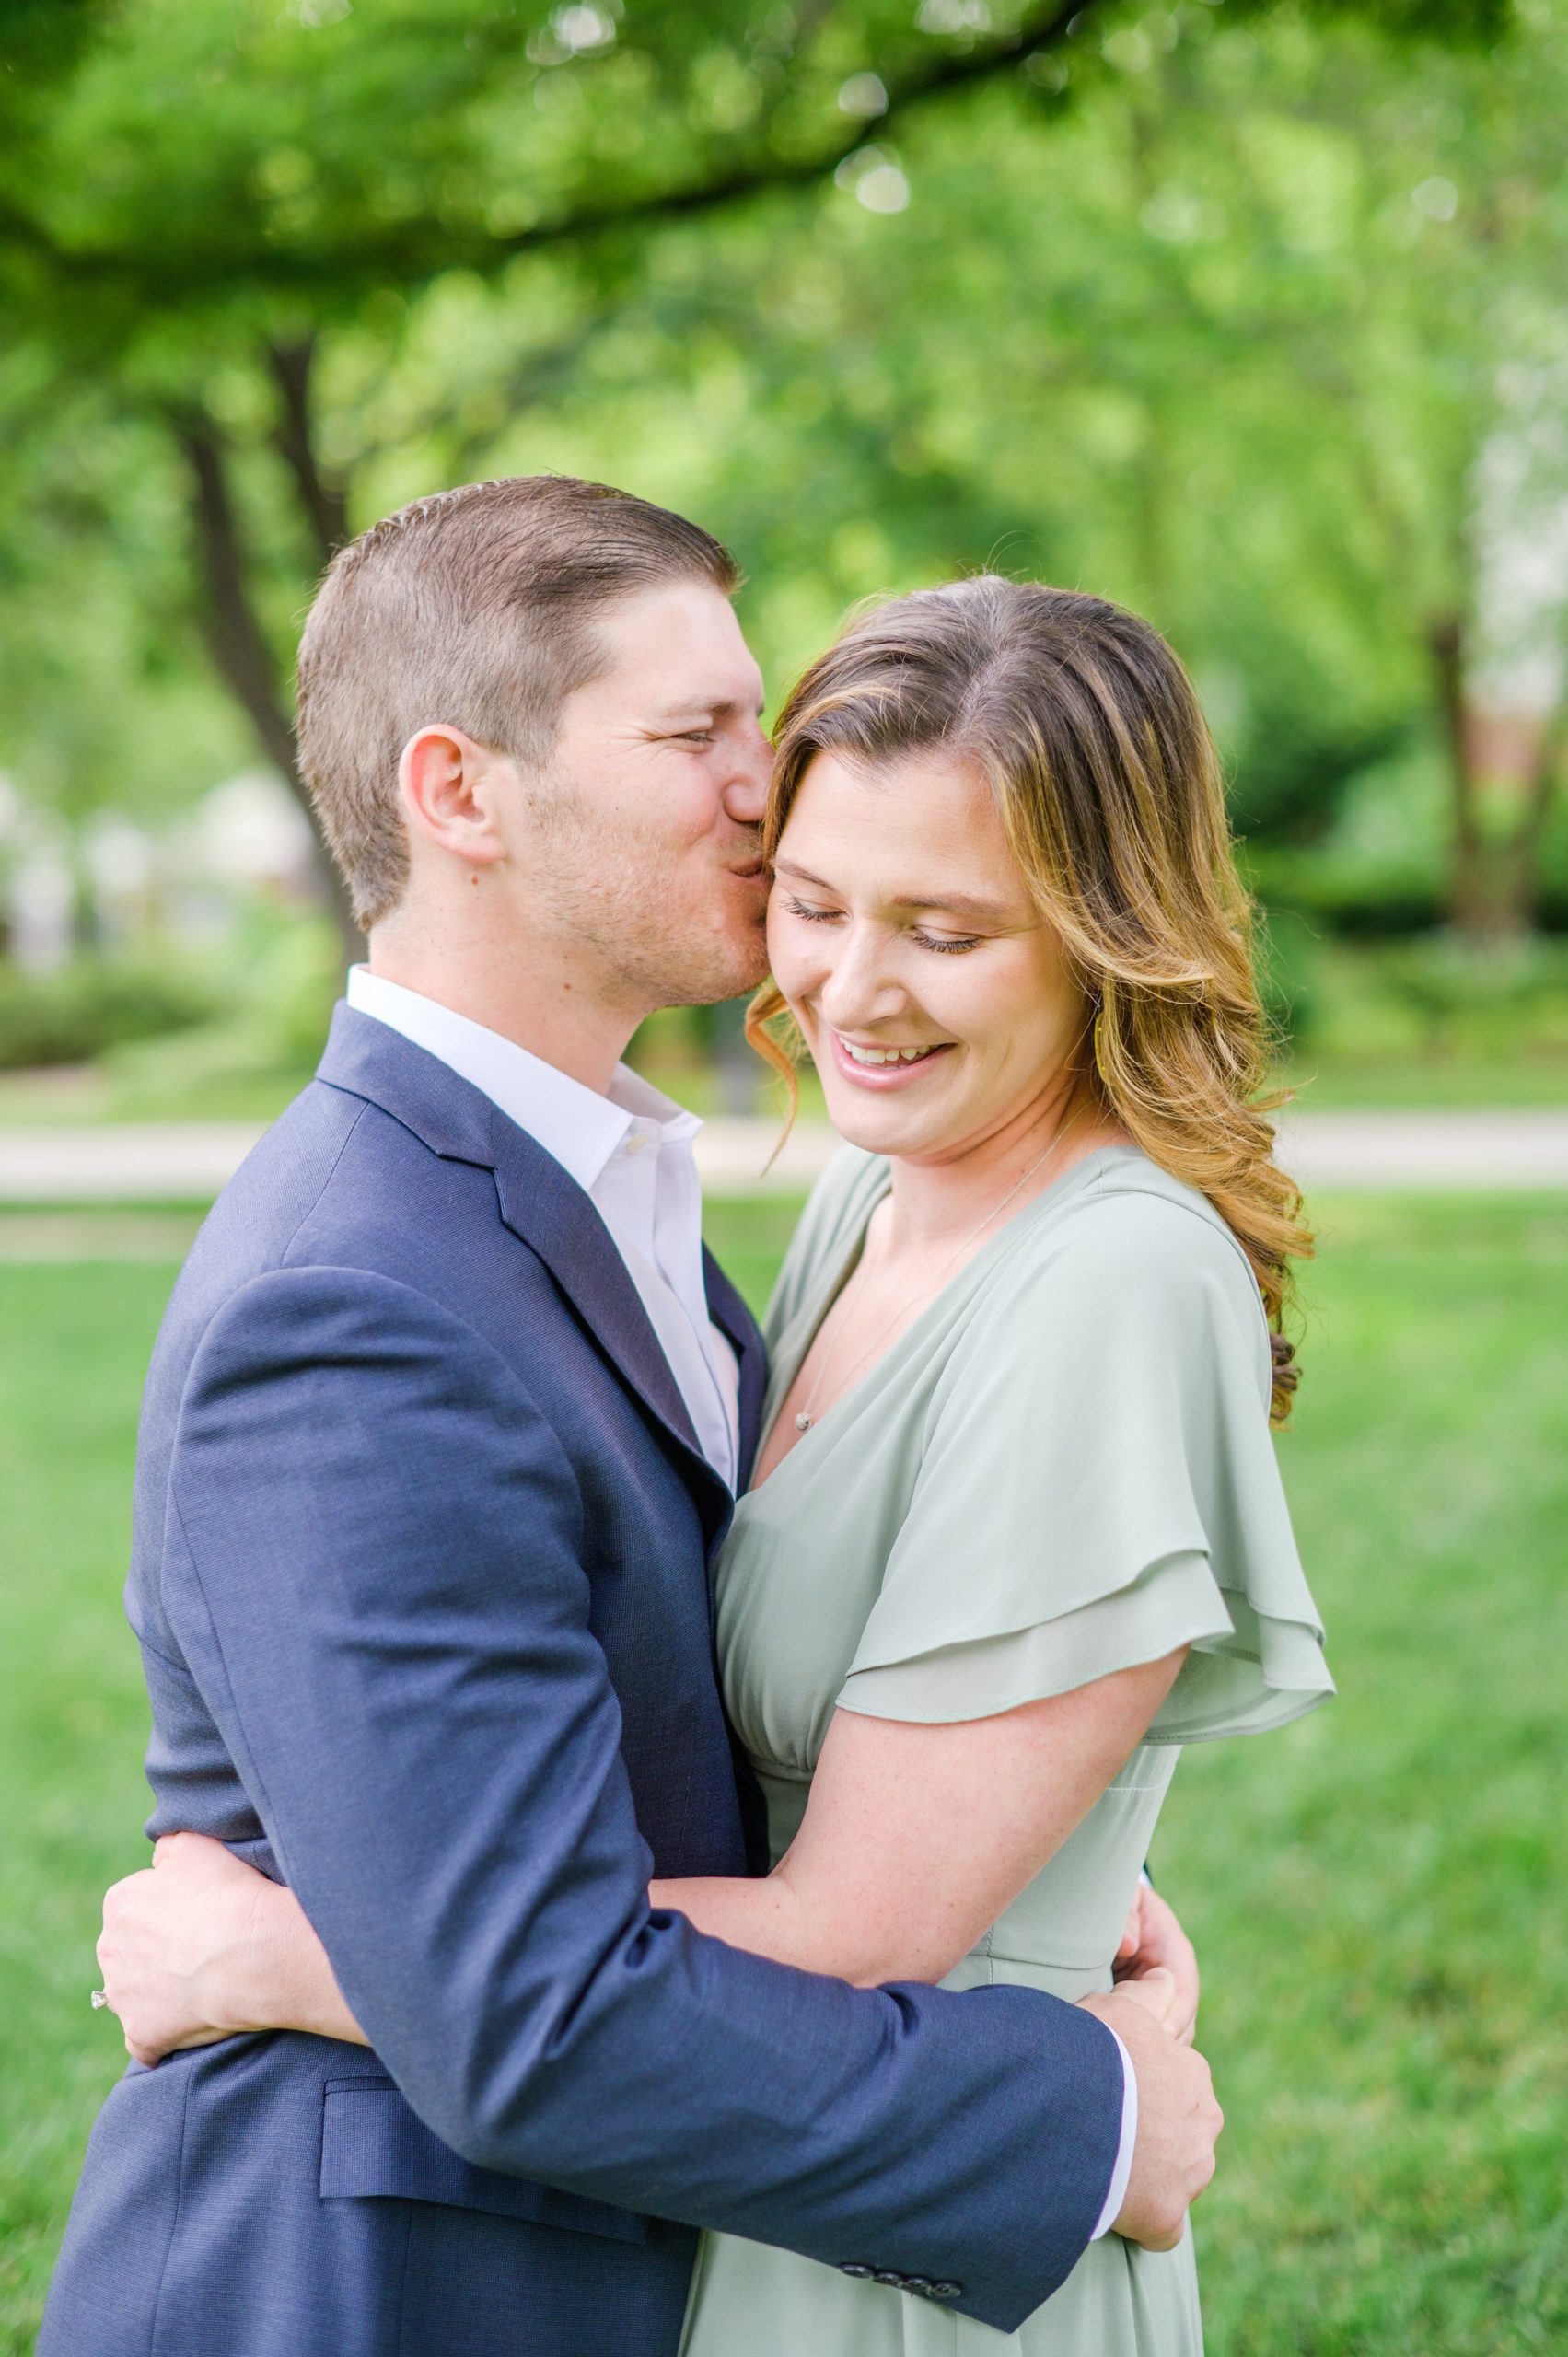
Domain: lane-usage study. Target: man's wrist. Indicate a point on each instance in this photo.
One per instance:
(1121, 2172)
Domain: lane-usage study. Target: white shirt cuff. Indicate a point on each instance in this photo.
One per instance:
(1120, 2176)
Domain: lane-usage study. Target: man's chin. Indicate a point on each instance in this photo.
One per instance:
(730, 970)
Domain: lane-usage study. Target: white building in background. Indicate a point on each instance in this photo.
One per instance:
(37, 884)
(247, 839)
(120, 863)
(251, 833)
(1518, 670)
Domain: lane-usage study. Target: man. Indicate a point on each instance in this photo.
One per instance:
(441, 1431)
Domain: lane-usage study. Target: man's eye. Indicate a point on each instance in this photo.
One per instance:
(694, 736)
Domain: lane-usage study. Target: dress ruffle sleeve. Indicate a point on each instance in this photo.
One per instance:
(1098, 1487)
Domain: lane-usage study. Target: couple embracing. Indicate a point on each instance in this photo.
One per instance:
(656, 1818)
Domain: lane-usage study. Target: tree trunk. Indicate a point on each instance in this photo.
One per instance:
(238, 642)
(1523, 882)
(1467, 896)
(321, 493)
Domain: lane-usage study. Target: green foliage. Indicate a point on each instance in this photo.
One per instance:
(257, 1050)
(1286, 957)
(1485, 996)
(1145, 302)
(93, 1005)
(1428, 1021)
(42, 41)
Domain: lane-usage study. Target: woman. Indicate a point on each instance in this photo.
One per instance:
(1016, 1531)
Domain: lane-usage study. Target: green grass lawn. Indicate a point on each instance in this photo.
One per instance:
(1372, 1890)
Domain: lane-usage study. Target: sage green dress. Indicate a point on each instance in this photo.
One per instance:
(1063, 1467)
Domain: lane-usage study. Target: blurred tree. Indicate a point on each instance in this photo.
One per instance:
(256, 239)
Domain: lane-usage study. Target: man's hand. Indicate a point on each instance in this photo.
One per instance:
(1179, 2119)
(1154, 1942)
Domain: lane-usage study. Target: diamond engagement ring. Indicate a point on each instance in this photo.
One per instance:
(99, 2000)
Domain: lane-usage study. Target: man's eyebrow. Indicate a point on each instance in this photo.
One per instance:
(955, 904)
(716, 707)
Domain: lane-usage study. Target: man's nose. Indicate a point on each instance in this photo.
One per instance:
(746, 793)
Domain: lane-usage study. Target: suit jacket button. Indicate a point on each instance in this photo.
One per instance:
(889, 2275)
(853, 2267)
(919, 2284)
(946, 2291)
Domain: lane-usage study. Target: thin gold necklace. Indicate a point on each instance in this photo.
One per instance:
(807, 1415)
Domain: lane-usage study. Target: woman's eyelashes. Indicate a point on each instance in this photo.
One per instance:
(946, 944)
(950, 943)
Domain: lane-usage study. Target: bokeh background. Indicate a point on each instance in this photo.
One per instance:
(1250, 315)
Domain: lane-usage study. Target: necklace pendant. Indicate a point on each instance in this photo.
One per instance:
(803, 1424)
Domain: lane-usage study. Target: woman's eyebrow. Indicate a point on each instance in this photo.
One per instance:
(955, 904)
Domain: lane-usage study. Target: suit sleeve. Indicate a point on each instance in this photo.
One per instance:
(374, 1568)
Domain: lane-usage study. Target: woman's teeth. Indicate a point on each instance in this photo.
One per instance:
(883, 1055)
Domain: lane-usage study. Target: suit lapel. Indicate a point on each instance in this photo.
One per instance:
(538, 1201)
(734, 1322)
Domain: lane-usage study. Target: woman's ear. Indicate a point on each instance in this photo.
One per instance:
(449, 785)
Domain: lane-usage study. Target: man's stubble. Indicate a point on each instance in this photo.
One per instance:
(662, 934)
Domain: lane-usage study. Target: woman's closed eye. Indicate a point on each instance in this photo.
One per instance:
(947, 942)
(950, 943)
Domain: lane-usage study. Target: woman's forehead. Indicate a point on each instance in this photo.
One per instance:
(921, 830)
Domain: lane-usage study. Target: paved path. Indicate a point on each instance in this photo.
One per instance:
(186, 1162)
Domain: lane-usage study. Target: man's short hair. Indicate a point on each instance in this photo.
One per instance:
(475, 608)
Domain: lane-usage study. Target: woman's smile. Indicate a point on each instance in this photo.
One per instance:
(883, 1064)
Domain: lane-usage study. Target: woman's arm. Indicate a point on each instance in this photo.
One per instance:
(917, 1837)
(200, 1946)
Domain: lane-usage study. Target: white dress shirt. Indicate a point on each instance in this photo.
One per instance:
(631, 1152)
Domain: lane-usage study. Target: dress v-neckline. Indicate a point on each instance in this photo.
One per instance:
(809, 1318)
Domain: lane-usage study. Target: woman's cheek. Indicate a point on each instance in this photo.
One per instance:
(788, 958)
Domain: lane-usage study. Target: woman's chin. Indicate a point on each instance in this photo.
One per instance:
(881, 1124)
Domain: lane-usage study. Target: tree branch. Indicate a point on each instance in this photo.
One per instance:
(419, 250)
(321, 493)
(235, 638)
(1041, 29)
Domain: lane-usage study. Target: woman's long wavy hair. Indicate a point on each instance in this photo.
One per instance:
(1109, 789)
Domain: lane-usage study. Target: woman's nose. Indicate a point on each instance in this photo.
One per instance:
(857, 988)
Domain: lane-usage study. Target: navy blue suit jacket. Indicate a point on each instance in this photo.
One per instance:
(421, 1577)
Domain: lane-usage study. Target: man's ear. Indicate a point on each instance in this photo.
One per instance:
(450, 792)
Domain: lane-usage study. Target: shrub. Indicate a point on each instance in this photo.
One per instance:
(71, 1017)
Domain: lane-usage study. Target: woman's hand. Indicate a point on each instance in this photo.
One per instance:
(1154, 1942)
(199, 1947)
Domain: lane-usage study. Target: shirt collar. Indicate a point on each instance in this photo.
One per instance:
(581, 1129)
